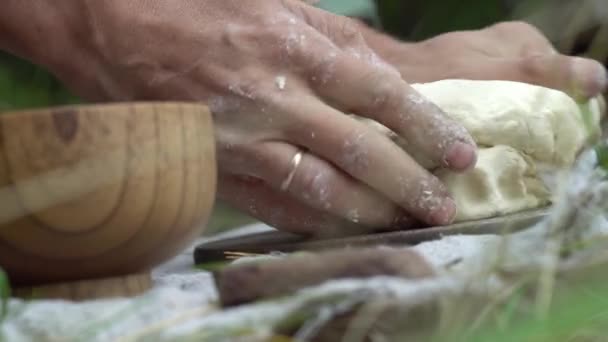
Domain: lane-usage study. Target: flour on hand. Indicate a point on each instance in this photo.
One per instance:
(518, 127)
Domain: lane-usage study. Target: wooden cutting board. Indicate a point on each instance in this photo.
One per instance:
(277, 241)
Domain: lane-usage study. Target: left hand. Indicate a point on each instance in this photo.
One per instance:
(513, 51)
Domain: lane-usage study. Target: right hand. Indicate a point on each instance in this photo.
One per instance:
(279, 76)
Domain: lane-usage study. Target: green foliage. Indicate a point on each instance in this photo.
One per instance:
(416, 20)
(579, 311)
(5, 293)
(601, 150)
(364, 8)
(24, 85)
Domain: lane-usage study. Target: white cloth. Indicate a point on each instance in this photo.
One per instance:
(181, 293)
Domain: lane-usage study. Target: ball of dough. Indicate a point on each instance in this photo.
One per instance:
(503, 181)
(518, 127)
(543, 123)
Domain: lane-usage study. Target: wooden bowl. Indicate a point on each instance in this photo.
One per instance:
(102, 191)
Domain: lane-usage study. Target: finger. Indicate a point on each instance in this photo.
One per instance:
(279, 209)
(364, 84)
(530, 40)
(370, 91)
(370, 157)
(576, 76)
(322, 186)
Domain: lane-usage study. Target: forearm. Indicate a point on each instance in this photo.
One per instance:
(46, 32)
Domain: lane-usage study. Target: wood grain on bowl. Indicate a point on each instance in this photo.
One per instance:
(102, 190)
(82, 290)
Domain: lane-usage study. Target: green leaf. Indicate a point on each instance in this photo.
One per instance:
(601, 150)
(417, 20)
(5, 294)
(25, 85)
(589, 118)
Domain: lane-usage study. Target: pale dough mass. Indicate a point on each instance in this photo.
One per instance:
(519, 128)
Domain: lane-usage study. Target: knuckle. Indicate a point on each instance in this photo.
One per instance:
(252, 85)
(278, 217)
(303, 13)
(429, 199)
(533, 39)
(348, 31)
(315, 184)
(355, 156)
(236, 156)
(236, 35)
(320, 23)
(323, 69)
(423, 193)
(530, 67)
(293, 40)
(522, 30)
(385, 96)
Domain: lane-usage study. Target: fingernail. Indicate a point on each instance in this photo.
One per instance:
(461, 156)
(445, 214)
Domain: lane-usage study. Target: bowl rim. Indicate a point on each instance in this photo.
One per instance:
(79, 108)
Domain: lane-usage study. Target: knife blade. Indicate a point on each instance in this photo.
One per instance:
(277, 241)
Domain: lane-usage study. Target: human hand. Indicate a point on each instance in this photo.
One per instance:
(513, 51)
(279, 77)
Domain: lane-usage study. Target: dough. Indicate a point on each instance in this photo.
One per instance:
(519, 128)
(546, 124)
(503, 181)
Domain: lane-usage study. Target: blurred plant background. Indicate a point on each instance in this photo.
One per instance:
(574, 26)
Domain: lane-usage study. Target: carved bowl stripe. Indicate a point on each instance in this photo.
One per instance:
(102, 190)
